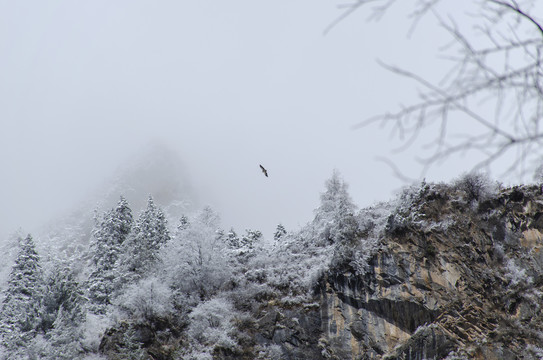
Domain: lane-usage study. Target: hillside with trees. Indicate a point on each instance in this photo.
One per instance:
(443, 271)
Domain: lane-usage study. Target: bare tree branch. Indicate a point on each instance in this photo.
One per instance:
(397, 172)
(351, 8)
(515, 7)
(495, 80)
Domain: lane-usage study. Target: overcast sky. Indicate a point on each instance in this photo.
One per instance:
(228, 85)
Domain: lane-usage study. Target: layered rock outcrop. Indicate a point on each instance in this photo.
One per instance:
(453, 277)
(457, 278)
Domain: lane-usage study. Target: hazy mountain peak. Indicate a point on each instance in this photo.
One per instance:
(155, 170)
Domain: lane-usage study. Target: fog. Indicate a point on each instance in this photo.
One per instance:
(227, 85)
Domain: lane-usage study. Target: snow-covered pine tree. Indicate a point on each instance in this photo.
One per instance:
(232, 239)
(66, 337)
(20, 316)
(61, 293)
(280, 232)
(183, 223)
(110, 233)
(141, 250)
(334, 219)
(62, 315)
(108, 236)
(250, 239)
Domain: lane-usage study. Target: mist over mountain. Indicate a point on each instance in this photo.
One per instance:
(156, 170)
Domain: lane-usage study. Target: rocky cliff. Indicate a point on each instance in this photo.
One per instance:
(453, 277)
(453, 274)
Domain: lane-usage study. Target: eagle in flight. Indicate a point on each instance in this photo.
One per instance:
(264, 170)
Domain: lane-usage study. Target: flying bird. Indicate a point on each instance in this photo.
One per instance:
(264, 170)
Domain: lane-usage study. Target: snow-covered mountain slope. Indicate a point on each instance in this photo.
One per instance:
(444, 271)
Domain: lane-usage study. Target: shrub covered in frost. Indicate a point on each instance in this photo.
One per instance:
(148, 299)
(211, 326)
(269, 352)
(196, 261)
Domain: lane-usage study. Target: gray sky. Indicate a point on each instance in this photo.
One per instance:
(227, 84)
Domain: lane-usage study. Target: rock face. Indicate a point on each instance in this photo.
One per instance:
(297, 331)
(454, 279)
(157, 337)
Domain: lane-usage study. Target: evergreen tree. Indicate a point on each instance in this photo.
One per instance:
(280, 232)
(109, 234)
(66, 336)
(334, 219)
(21, 305)
(101, 289)
(141, 250)
(63, 295)
(183, 223)
(232, 239)
(62, 316)
(250, 239)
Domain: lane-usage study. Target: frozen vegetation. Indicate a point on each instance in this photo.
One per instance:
(142, 288)
(184, 278)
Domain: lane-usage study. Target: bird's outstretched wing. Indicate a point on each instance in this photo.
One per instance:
(264, 170)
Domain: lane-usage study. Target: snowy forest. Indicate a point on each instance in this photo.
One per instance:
(443, 271)
(166, 290)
